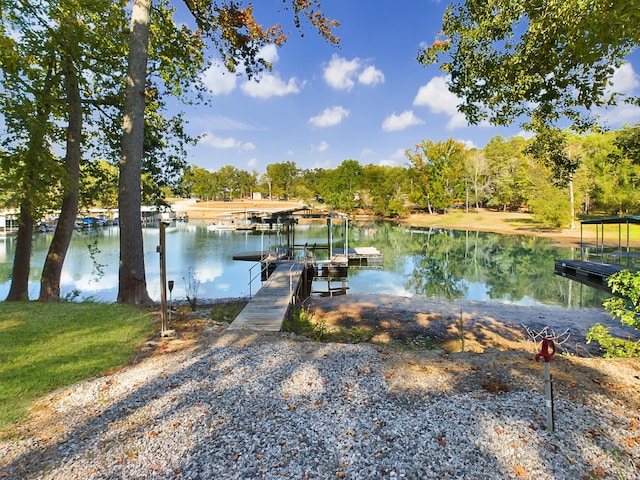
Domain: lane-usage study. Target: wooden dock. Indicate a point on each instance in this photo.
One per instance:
(594, 274)
(268, 308)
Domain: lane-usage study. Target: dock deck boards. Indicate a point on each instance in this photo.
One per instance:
(267, 309)
(594, 274)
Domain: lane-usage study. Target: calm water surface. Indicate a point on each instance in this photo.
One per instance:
(428, 263)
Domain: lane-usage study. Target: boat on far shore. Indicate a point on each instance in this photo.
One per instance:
(221, 227)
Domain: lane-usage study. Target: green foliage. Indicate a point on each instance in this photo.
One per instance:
(437, 172)
(346, 184)
(611, 346)
(509, 173)
(44, 347)
(549, 146)
(626, 305)
(280, 178)
(550, 208)
(300, 323)
(509, 59)
(227, 311)
(628, 142)
(383, 190)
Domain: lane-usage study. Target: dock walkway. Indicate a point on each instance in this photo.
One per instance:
(267, 309)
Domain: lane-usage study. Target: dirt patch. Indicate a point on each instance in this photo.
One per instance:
(475, 346)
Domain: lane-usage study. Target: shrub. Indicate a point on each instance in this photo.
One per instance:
(611, 346)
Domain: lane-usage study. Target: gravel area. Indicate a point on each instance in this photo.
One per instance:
(271, 406)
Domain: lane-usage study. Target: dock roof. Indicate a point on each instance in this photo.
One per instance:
(635, 219)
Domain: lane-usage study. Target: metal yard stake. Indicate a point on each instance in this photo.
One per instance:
(547, 351)
(164, 330)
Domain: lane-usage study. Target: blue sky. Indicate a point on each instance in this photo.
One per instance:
(367, 100)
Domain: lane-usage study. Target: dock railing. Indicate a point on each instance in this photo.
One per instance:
(262, 266)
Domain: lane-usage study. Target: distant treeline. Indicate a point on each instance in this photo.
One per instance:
(507, 174)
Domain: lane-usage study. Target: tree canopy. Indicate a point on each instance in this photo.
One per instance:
(542, 61)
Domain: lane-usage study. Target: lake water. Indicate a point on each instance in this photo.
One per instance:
(417, 262)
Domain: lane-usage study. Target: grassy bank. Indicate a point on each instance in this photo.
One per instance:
(44, 347)
(518, 223)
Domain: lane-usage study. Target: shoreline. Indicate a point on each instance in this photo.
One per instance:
(506, 223)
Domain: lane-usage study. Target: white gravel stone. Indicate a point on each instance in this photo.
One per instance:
(273, 408)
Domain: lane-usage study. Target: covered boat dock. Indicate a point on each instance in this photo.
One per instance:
(604, 258)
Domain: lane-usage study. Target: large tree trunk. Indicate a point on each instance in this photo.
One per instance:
(19, 290)
(132, 281)
(50, 281)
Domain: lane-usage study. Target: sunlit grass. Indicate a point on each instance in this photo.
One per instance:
(44, 347)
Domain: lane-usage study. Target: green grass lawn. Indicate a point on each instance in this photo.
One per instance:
(44, 347)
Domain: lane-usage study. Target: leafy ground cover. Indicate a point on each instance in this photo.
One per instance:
(44, 347)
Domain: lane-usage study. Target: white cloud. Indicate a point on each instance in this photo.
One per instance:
(620, 115)
(394, 159)
(265, 85)
(225, 142)
(526, 134)
(322, 164)
(321, 147)
(329, 117)
(270, 85)
(269, 53)
(400, 122)
(625, 79)
(469, 144)
(218, 142)
(219, 80)
(436, 96)
(252, 162)
(366, 152)
(624, 82)
(371, 76)
(342, 74)
(220, 122)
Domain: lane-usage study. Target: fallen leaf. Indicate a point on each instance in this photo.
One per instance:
(519, 471)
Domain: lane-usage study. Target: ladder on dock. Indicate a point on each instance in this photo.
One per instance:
(268, 308)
